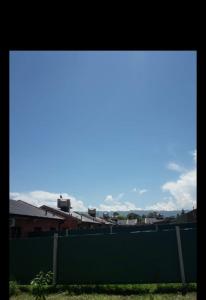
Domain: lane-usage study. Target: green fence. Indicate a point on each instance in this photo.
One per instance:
(144, 257)
(28, 257)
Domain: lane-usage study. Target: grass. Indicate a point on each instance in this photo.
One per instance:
(163, 291)
(117, 289)
(66, 296)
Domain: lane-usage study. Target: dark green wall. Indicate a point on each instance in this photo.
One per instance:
(30, 256)
(189, 250)
(142, 257)
(118, 258)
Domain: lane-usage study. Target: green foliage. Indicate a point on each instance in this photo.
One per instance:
(40, 284)
(132, 216)
(172, 288)
(122, 289)
(13, 288)
(117, 289)
(115, 214)
(65, 296)
(152, 214)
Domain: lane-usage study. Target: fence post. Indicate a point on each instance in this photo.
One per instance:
(156, 227)
(179, 246)
(55, 248)
(67, 232)
(111, 229)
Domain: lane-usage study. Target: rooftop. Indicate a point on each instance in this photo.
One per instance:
(21, 208)
(73, 214)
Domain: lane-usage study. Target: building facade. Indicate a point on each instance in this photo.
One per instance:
(25, 218)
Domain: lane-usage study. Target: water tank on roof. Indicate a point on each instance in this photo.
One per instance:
(64, 205)
(92, 212)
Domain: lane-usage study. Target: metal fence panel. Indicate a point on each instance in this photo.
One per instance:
(28, 257)
(189, 250)
(144, 257)
(125, 258)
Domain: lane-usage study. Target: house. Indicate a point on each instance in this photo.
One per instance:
(25, 218)
(188, 217)
(74, 220)
(152, 220)
(92, 215)
(127, 222)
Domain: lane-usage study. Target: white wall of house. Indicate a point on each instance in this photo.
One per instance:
(151, 220)
(127, 222)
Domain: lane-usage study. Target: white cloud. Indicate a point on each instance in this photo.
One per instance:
(169, 205)
(109, 198)
(39, 198)
(183, 190)
(142, 191)
(182, 195)
(118, 206)
(175, 167)
(115, 203)
(195, 155)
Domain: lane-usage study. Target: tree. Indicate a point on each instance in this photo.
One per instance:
(132, 216)
(115, 214)
(121, 217)
(152, 214)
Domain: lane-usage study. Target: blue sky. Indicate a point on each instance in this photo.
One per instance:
(109, 129)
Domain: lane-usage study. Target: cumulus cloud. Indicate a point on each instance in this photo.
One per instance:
(182, 194)
(165, 205)
(109, 198)
(183, 190)
(116, 204)
(175, 167)
(39, 198)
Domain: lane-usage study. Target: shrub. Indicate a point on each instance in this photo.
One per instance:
(13, 288)
(40, 285)
(172, 288)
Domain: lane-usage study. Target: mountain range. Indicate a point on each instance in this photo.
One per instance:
(165, 213)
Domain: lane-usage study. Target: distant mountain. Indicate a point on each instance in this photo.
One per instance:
(165, 213)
